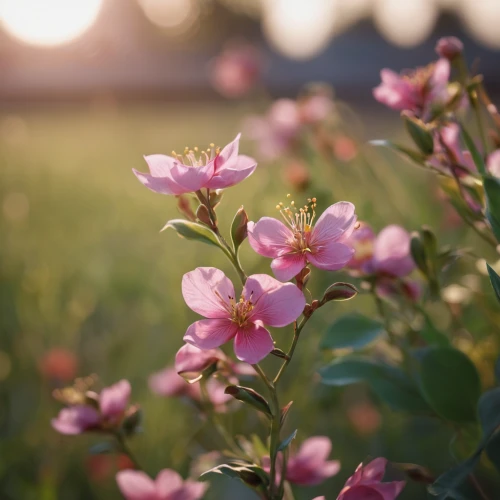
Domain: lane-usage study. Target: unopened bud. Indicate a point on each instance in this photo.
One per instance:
(449, 47)
(184, 207)
(303, 277)
(339, 291)
(216, 197)
(203, 216)
(239, 230)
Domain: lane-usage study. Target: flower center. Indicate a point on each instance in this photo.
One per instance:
(196, 158)
(77, 394)
(420, 76)
(241, 310)
(300, 220)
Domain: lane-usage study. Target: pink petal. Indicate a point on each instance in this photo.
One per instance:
(441, 73)
(235, 171)
(336, 223)
(289, 265)
(360, 492)
(168, 383)
(192, 178)
(228, 152)
(275, 303)
(329, 469)
(210, 333)
(493, 163)
(216, 392)
(269, 237)
(206, 291)
(167, 481)
(161, 185)
(253, 343)
(374, 470)
(190, 359)
(314, 450)
(331, 256)
(75, 420)
(390, 491)
(191, 490)
(113, 400)
(391, 252)
(136, 485)
(160, 165)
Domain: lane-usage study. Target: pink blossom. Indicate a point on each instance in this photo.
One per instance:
(365, 483)
(88, 410)
(211, 169)
(168, 485)
(76, 419)
(419, 91)
(236, 70)
(493, 163)
(309, 466)
(292, 248)
(264, 301)
(449, 47)
(315, 108)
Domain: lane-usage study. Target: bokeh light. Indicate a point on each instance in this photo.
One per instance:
(482, 18)
(299, 29)
(48, 22)
(405, 23)
(174, 15)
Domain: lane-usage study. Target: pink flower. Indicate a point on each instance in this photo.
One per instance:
(191, 361)
(168, 485)
(76, 419)
(107, 409)
(292, 248)
(419, 91)
(309, 466)
(449, 47)
(493, 163)
(264, 301)
(365, 483)
(211, 169)
(236, 70)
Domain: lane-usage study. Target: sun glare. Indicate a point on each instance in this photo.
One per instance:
(48, 22)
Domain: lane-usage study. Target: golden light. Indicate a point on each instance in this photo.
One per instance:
(482, 18)
(405, 22)
(174, 15)
(299, 29)
(48, 22)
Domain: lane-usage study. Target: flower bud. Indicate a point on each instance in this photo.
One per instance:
(203, 216)
(339, 291)
(239, 227)
(449, 47)
(184, 206)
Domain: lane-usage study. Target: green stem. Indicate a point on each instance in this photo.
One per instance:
(126, 450)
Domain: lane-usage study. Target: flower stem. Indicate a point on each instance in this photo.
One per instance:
(123, 447)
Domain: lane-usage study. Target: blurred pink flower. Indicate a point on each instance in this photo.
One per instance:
(449, 47)
(292, 248)
(264, 301)
(315, 108)
(212, 169)
(168, 485)
(236, 70)
(493, 163)
(59, 364)
(76, 419)
(418, 91)
(365, 483)
(309, 466)
(107, 409)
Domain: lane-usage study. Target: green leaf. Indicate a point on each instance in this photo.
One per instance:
(351, 330)
(495, 281)
(250, 474)
(339, 291)
(239, 228)
(390, 384)
(193, 231)
(286, 442)
(450, 383)
(419, 133)
(476, 155)
(431, 335)
(414, 156)
(492, 190)
(250, 397)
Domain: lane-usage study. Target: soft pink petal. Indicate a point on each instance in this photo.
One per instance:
(235, 171)
(113, 400)
(191, 490)
(288, 265)
(167, 481)
(216, 392)
(210, 333)
(330, 256)
(228, 152)
(275, 303)
(192, 178)
(374, 470)
(390, 491)
(360, 492)
(161, 185)
(441, 73)
(168, 383)
(329, 469)
(391, 252)
(136, 485)
(206, 291)
(269, 237)
(160, 165)
(493, 163)
(335, 224)
(253, 343)
(314, 450)
(190, 359)
(75, 420)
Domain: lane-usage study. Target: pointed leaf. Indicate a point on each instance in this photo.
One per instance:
(193, 231)
(250, 397)
(339, 291)
(286, 442)
(476, 155)
(495, 281)
(412, 155)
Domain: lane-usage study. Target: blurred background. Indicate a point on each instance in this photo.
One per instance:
(87, 282)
